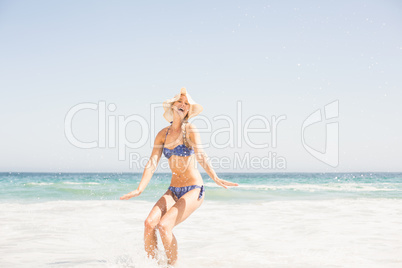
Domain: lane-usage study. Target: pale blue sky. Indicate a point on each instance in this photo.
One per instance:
(275, 58)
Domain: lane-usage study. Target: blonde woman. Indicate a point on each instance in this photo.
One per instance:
(180, 143)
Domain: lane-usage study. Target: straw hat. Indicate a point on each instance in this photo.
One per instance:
(194, 110)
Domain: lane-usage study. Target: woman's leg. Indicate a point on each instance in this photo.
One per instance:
(152, 221)
(183, 208)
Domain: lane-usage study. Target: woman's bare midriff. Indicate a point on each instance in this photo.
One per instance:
(184, 171)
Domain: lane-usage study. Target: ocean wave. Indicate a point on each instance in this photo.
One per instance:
(39, 183)
(81, 183)
(341, 187)
(66, 182)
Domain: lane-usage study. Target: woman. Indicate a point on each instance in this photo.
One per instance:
(181, 144)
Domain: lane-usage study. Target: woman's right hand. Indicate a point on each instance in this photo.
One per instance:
(130, 195)
(224, 183)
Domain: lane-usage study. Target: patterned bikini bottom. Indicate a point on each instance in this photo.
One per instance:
(180, 191)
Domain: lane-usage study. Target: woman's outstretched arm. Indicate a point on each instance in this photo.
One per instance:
(150, 166)
(202, 158)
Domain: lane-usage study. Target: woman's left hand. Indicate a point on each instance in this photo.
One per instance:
(130, 195)
(224, 183)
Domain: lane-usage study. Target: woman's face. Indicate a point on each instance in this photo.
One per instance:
(181, 106)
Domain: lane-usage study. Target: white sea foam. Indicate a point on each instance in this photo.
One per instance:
(81, 183)
(325, 233)
(341, 187)
(39, 183)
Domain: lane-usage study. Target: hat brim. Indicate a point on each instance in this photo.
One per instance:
(194, 110)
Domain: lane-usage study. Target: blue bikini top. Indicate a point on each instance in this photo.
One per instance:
(180, 150)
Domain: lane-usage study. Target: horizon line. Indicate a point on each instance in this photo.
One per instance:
(231, 172)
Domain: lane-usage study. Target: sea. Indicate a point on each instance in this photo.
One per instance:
(269, 220)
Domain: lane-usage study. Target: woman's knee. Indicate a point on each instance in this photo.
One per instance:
(150, 223)
(165, 225)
